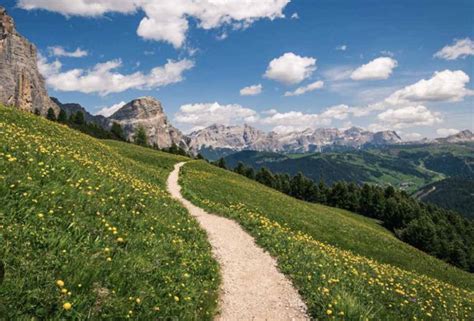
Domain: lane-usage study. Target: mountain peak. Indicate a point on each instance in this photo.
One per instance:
(147, 112)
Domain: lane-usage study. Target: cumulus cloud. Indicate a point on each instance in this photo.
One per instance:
(445, 85)
(59, 51)
(447, 131)
(167, 20)
(290, 69)
(104, 78)
(379, 68)
(46, 68)
(109, 111)
(251, 90)
(409, 117)
(196, 116)
(339, 112)
(341, 48)
(304, 89)
(461, 48)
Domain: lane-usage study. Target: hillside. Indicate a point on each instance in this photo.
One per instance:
(88, 223)
(407, 167)
(339, 261)
(82, 224)
(451, 193)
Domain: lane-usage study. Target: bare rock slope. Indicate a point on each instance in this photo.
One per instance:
(21, 84)
(147, 112)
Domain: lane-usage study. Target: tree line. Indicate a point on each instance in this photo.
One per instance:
(439, 232)
(77, 121)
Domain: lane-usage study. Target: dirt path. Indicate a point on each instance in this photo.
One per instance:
(252, 287)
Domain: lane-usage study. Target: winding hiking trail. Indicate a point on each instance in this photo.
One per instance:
(252, 287)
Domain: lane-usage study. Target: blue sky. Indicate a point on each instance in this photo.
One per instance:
(224, 49)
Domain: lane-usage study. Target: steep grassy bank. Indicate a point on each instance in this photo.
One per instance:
(342, 263)
(88, 233)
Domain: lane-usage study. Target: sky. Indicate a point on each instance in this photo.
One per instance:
(280, 65)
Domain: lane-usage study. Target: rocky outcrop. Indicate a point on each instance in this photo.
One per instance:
(245, 137)
(21, 84)
(230, 137)
(464, 136)
(148, 113)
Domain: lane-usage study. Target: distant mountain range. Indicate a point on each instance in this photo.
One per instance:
(22, 85)
(225, 139)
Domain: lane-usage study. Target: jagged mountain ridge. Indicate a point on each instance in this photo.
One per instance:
(21, 83)
(246, 137)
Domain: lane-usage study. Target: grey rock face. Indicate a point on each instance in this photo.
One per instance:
(248, 138)
(461, 137)
(21, 84)
(148, 113)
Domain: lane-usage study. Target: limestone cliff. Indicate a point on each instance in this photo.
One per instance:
(21, 84)
(148, 113)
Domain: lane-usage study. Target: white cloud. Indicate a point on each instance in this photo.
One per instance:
(379, 68)
(341, 48)
(387, 53)
(304, 89)
(338, 73)
(251, 90)
(47, 69)
(293, 120)
(290, 69)
(445, 85)
(109, 111)
(447, 131)
(104, 78)
(461, 48)
(167, 20)
(409, 117)
(196, 116)
(411, 136)
(59, 51)
(339, 112)
(295, 16)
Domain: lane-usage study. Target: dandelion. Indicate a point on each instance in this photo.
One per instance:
(328, 312)
(60, 283)
(176, 298)
(67, 306)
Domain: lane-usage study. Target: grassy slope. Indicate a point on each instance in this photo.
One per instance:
(67, 201)
(334, 257)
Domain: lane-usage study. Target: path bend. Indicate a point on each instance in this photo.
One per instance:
(252, 287)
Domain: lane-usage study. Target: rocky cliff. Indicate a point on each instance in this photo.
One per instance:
(245, 137)
(21, 84)
(148, 113)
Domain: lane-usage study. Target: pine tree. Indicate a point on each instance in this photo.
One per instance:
(117, 130)
(62, 117)
(221, 163)
(265, 177)
(79, 118)
(140, 136)
(50, 114)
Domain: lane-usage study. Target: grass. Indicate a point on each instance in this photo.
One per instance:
(343, 264)
(86, 232)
